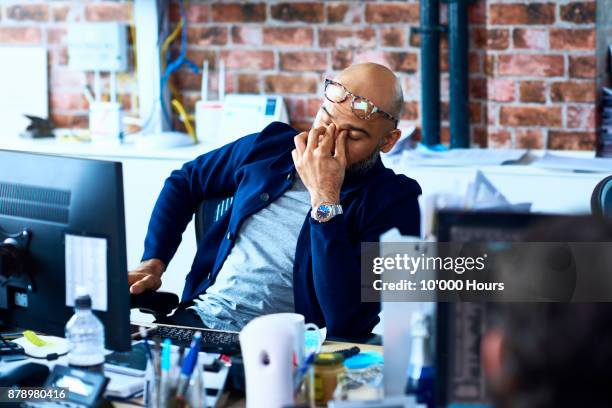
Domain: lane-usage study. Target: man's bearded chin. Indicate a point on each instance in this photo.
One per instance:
(365, 165)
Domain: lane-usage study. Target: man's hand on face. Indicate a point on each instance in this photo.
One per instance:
(146, 276)
(320, 160)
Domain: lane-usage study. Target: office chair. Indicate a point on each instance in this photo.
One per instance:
(601, 199)
(161, 304)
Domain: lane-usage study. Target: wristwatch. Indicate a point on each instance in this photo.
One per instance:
(326, 211)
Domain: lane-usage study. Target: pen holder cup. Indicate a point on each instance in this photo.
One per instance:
(161, 392)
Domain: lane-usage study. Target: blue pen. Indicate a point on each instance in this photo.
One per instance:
(188, 365)
(302, 370)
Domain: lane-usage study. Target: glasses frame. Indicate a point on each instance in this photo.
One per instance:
(375, 109)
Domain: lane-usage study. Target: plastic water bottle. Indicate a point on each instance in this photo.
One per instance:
(85, 335)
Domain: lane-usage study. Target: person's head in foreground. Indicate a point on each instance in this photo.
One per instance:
(539, 355)
(362, 105)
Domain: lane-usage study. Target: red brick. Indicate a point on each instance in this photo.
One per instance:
(78, 121)
(108, 11)
(20, 35)
(303, 61)
(529, 139)
(27, 12)
(444, 61)
(294, 36)
(341, 59)
(582, 12)
(475, 63)
(411, 110)
(392, 37)
(490, 63)
(498, 39)
(246, 35)
(533, 91)
(187, 80)
(477, 12)
(56, 35)
(501, 90)
(478, 88)
(392, 13)
(248, 83)
(67, 101)
(60, 11)
(445, 135)
(344, 13)
(531, 65)
(312, 106)
(581, 117)
(347, 38)
(239, 12)
(304, 12)
(292, 84)
(533, 13)
(195, 12)
(479, 137)
(572, 92)
(561, 140)
(583, 66)
(530, 38)
(248, 59)
(478, 36)
(296, 109)
(203, 36)
(568, 39)
(500, 139)
(476, 112)
(530, 116)
(396, 61)
(444, 111)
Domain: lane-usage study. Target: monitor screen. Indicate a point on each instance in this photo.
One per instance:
(62, 226)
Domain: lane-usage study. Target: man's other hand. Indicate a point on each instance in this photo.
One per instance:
(320, 160)
(146, 276)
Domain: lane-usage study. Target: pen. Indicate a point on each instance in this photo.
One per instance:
(165, 370)
(188, 365)
(302, 370)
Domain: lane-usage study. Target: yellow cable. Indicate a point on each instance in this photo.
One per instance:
(184, 118)
(168, 41)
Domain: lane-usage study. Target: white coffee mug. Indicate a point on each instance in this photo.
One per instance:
(299, 327)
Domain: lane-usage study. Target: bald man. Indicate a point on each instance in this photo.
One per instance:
(303, 204)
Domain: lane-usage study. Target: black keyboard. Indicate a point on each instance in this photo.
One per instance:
(213, 341)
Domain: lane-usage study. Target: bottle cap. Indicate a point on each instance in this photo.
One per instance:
(363, 360)
(82, 302)
(328, 358)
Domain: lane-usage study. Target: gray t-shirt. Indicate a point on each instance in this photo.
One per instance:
(257, 275)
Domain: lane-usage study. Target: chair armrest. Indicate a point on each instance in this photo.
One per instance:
(155, 303)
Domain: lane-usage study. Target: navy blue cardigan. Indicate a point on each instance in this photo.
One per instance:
(256, 170)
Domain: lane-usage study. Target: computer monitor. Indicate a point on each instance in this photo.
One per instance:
(62, 225)
(460, 326)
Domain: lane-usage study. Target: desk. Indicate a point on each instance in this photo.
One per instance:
(328, 346)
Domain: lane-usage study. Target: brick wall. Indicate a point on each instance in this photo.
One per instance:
(532, 63)
(541, 76)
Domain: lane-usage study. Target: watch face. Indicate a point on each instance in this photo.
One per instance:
(323, 212)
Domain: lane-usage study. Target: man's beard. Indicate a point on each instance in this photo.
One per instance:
(365, 165)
